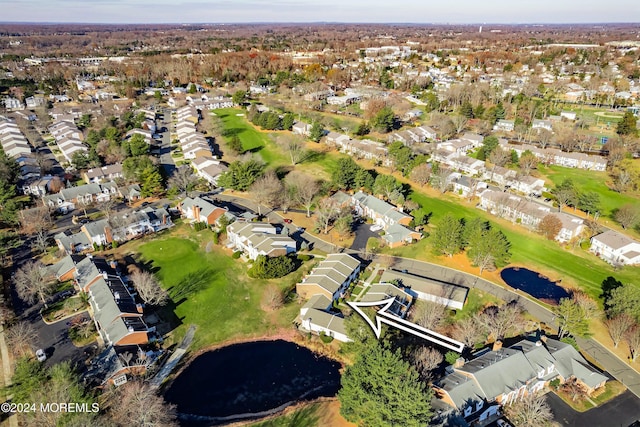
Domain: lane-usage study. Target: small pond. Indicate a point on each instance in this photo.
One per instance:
(533, 283)
(251, 378)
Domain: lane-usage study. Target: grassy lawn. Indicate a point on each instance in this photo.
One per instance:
(476, 301)
(212, 291)
(575, 267)
(589, 181)
(252, 139)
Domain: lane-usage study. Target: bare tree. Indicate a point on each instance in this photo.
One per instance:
(429, 314)
(499, 156)
(32, 282)
(618, 327)
(632, 337)
(527, 163)
(575, 389)
(272, 298)
(182, 179)
(468, 331)
(426, 360)
(460, 123)
(326, 212)
(421, 174)
(440, 179)
(36, 222)
(106, 206)
(530, 411)
(267, 190)
(587, 304)
(627, 216)
(497, 321)
(20, 337)
(135, 403)
(148, 288)
(305, 189)
(294, 145)
(544, 136)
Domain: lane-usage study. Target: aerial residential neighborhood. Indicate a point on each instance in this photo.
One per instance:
(319, 224)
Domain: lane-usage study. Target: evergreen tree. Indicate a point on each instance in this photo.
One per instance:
(381, 389)
(447, 239)
(150, 182)
(627, 126)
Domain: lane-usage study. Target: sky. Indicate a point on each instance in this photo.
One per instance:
(374, 11)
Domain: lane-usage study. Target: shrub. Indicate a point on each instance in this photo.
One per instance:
(271, 267)
(325, 338)
(304, 258)
(199, 226)
(236, 255)
(555, 383)
(451, 357)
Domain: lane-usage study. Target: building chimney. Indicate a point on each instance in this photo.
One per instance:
(113, 264)
(497, 345)
(543, 338)
(107, 234)
(459, 363)
(196, 213)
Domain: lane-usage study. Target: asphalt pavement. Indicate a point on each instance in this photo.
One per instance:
(618, 412)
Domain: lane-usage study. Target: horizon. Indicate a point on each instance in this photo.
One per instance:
(237, 12)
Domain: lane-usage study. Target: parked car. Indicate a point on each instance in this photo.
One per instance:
(375, 227)
(287, 220)
(41, 355)
(503, 423)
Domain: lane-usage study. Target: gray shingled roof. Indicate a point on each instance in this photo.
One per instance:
(427, 285)
(613, 239)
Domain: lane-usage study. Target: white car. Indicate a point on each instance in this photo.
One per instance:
(41, 355)
(503, 423)
(375, 227)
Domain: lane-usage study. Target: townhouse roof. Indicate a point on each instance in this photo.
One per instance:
(332, 272)
(397, 233)
(70, 241)
(380, 206)
(613, 239)
(316, 312)
(426, 285)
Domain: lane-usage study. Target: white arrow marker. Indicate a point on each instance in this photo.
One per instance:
(383, 316)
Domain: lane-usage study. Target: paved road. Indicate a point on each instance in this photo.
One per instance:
(166, 161)
(363, 232)
(621, 411)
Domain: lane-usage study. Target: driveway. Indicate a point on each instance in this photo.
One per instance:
(363, 233)
(620, 411)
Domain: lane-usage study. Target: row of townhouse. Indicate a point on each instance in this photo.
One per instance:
(103, 174)
(117, 314)
(192, 143)
(553, 156)
(259, 238)
(68, 199)
(393, 221)
(207, 102)
(327, 282)
(529, 213)
(68, 138)
(414, 135)
(15, 145)
(120, 228)
(360, 148)
(209, 168)
(476, 389)
(616, 248)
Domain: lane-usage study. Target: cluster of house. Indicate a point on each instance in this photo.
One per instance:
(68, 199)
(68, 138)
(15, 145)
(359, 148)
(119, 228)
(476, 389)
(331, 278)
(390, 218)
(195, 146)
(118, 315)
(529, 213)
(553, 156)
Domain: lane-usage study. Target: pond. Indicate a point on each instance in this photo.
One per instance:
(533, 283)
(250, 380)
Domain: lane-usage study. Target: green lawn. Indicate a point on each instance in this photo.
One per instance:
(589, 181)
(528, 248)
(252, 139)
(212, 291)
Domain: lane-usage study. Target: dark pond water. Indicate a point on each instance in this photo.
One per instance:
(534, 284)
(251, 378)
